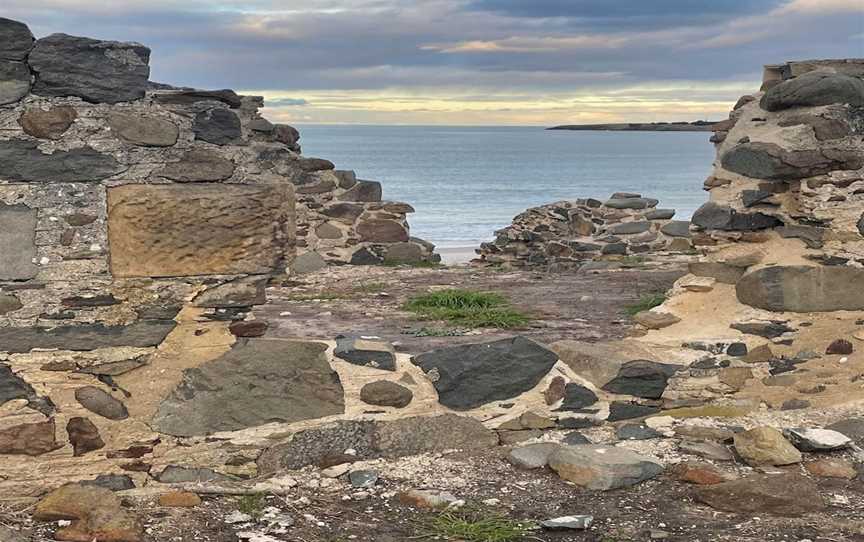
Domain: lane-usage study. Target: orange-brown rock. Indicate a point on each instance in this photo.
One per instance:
(96, 514)
(832, 468)
(29, 439)
(179, 499)
(703, 474)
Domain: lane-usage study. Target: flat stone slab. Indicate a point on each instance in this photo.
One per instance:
(85, 337)
(183, 230)
(97, 71)
(472, 375)
(17, 242)
(258, 381)
(800, 288)
(602, 467)
(789, 495)
(22, 160)
(372, 440)
(366, 352)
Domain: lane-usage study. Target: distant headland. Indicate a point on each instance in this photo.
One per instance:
(697, 126)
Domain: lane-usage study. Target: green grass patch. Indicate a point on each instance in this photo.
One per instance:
(467, 308)
(252, 505)
(473, 525)
(645, 303)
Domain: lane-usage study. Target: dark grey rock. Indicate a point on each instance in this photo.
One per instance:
(472, 375)
(851, 427)
(754, 197)
(803, 289)
(786, 494)
(634, 431)
(812, 236)
(365, 256)
(173, 474)
(97, 71)
(189, 97)
(309, 164)
(13, 387)
(243, 292)
(629, 228)
(577, 397)
(16, 40)
(737, 350)
(575, 438)
(814, 88)
(817, 440)
(308, 262)
(217, 126)
(22, 161)
(114, 482)
(14, 81)
(85, 337)
(620, 410)
(660, 214)
(676, 228)
(712, 216)
(372, 440)
(619, 249)
(101, 402)
(766, 329)
(532, 456)
(386, 393)
(258, 381)
(198, 165)
(625, 195)
(365, 352)
(641, 378)
(795, 404)
(363, 191)
(770, 161)
(721, 272)
(861, 225)
(17, 242)
(9, 303)
(631, 203)
(603, 467)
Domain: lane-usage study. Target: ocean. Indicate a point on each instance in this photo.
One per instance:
(467, 182)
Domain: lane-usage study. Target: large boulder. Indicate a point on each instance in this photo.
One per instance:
(16, 40)
(472, 375)
(95, 512)
(713, 216)
(818, 87)
(801, 288)
(258, 381)
(765, 446)
(22, 160)
(769, 161)
(602, 467)
(788, 494)
(96, 71)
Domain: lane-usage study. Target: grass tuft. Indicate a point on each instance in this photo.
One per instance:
(647, 302)
(472, 525)
(252, 505)
(467, 308)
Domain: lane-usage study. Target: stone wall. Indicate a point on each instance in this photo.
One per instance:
(567, 234)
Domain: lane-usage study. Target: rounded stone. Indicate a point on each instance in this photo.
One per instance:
(100, 402)
(386, 393)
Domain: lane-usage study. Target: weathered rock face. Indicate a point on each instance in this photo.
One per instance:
(602, 467)
(17, 242)
(778, 494)
(22, 160)
(97, 71)
(14, 81)
(819, 87)
(167, 231)
(259, 381)
(803, 289)
(470, 376)
(16, 40)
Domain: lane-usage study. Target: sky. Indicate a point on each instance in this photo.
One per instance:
(468, 62)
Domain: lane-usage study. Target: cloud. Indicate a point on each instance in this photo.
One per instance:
(286, 102)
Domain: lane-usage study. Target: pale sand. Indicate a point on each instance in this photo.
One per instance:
(456, 255)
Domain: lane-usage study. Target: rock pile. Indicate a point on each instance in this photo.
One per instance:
(567, 234)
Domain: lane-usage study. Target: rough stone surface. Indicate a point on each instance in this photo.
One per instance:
(21, 160)
(97, 71)
(602, 467)
(265, 380)
(577, 397)
(217, 126)
(179, 499)
(161, 231)
(850, 427)
(533, 456)
(655, 319)
(789, 495)
(765, 446)
(642, 378)
(803, 289)
(702, 474)
(819, 87)
(308, 262)
(114, 482)
(238, 293)
(382, 231)
(84, 436)
(198, 165)
(385, 393)
(50, 123)
(396, 438)
(86, 336)
(713, 216)
(95, 512)
(14, 81)
(817, 440)
(29, 439)
(143, 131)
(101, 402)
(707, 449)
(832, 468)
(469, 376)
(16, 40)
(769, 161)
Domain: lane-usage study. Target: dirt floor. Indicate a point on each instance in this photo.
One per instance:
(587, 306)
